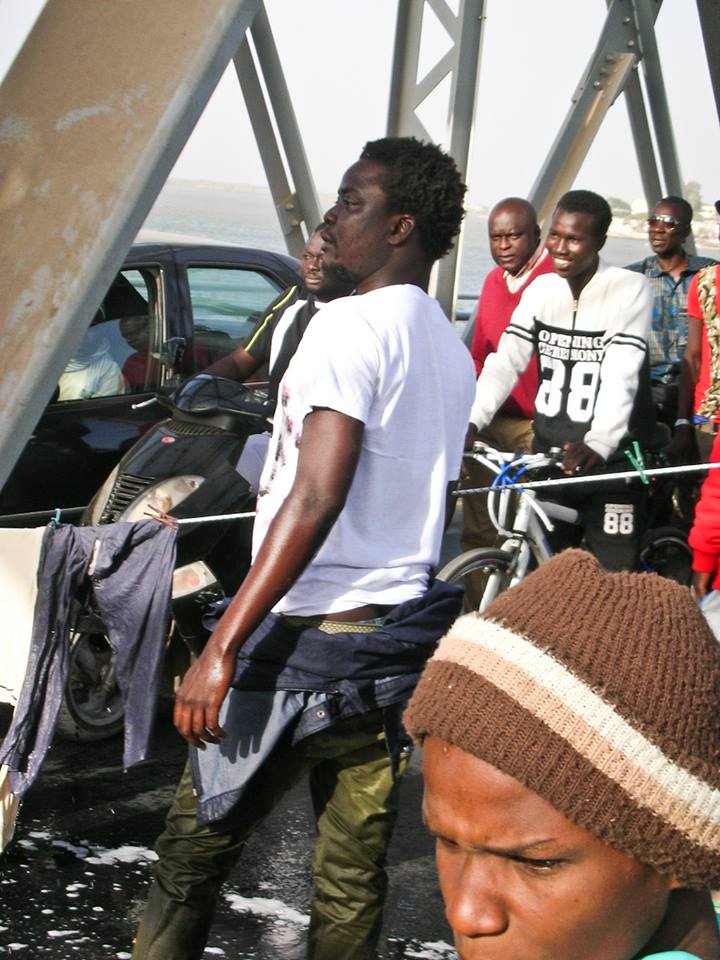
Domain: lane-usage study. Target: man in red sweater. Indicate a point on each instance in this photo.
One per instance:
(515, 247)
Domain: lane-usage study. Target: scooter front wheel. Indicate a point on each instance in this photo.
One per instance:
(92, 708)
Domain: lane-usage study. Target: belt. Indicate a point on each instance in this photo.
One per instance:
(336, 626)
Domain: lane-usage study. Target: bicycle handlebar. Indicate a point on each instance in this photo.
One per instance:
(500, 462)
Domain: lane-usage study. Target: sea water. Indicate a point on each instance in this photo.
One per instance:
(246, 215)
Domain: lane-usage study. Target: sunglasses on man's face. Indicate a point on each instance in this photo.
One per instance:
(665, 219)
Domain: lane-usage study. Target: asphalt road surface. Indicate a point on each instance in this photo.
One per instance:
(75, 876)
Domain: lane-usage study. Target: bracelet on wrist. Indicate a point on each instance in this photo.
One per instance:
(682, 422)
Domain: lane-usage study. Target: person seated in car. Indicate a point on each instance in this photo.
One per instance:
(571, 754)
(93, 371)
(142, 367)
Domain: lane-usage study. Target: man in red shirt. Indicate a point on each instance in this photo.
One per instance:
(515, 247)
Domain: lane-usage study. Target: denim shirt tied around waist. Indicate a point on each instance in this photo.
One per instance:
(296, 680)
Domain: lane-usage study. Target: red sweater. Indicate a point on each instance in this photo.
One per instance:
(495, 308)
(705, 534)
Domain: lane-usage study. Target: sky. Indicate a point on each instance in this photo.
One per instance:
(337, 57)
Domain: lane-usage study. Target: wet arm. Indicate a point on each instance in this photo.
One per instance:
(328, 458)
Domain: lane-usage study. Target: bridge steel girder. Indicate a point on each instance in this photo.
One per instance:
(606, 76)
(710, 25)
(96, 109)
(292, 207)
(407, 92)
(283, 196)
(647, 12)
(642, 138)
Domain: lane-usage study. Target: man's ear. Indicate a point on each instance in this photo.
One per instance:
(401, 227)
(602, 243)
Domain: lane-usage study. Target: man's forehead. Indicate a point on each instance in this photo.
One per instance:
(314, 243)
(486, 805)
(575, 219)
(669, 207)
(510, 216)
(363, 174)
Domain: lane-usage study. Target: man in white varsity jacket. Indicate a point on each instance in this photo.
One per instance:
(588, 324)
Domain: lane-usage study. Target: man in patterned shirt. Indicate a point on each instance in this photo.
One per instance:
(669, 271)
(700, 370)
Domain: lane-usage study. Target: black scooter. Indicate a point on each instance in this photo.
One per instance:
(184, 466)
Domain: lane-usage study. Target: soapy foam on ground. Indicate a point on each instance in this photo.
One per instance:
(265, 907)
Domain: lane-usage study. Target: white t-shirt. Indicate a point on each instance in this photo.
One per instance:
(252, 458)
(390, 359)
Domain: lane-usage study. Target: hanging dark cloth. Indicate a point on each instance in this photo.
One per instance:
(131, 579)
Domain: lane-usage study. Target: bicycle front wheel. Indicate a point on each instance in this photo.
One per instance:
(665, 551)
(483, 573)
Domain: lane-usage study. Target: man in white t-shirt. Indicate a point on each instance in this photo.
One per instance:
(309, 667)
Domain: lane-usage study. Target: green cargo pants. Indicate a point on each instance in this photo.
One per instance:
(355, 803)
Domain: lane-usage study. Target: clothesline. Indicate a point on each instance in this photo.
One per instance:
(219, 516)
(594, 478)
(530, 485)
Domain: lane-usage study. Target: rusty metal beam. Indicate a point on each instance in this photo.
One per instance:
(710, 25)
(605, 77)
(408, 91)
(95, 110)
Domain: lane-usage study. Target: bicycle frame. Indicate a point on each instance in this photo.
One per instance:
(525, 540)
(528, 536)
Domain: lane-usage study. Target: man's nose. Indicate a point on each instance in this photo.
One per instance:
(475, 907)
(329, 216)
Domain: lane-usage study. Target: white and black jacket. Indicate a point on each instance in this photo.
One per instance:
(591, 353)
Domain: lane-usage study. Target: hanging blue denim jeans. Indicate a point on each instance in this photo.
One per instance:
(132, 581)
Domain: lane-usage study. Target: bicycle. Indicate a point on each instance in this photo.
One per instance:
(487, 571)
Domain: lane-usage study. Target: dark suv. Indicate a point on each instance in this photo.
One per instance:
(175, 303)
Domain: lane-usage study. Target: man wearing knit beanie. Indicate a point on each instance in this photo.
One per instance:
(572, 769)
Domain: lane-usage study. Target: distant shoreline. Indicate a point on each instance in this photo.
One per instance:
(618, 228)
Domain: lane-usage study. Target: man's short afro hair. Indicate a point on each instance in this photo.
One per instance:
(585, 201)
(422, 180)
(687, 210)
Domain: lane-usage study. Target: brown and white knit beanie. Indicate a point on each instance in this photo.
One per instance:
(601, 693)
